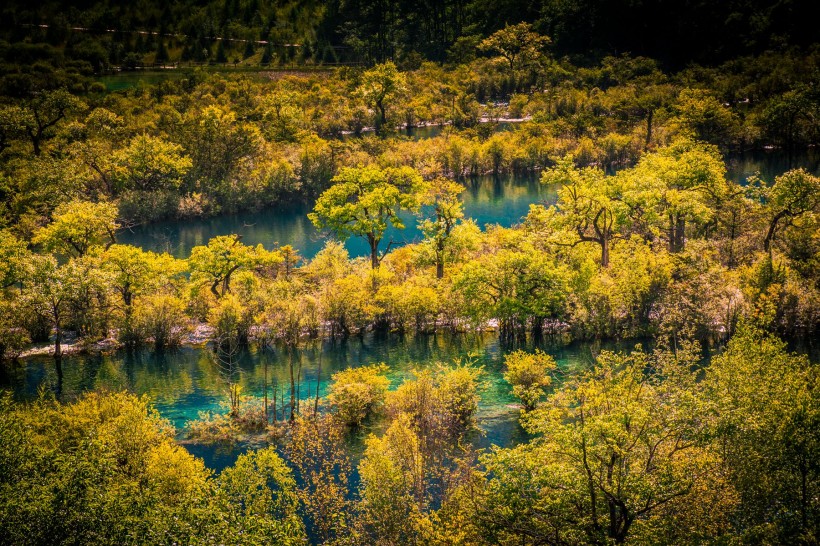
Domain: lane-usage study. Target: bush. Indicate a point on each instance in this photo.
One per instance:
(358, 393)
(528, 373)
(161, 318)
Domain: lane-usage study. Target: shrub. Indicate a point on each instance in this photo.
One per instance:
(528, 373)
(358, 393)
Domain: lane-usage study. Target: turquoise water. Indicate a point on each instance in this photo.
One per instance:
(487, 200)
(184, 382)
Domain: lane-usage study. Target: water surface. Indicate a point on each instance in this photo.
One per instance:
(487, 200)
(185, 382)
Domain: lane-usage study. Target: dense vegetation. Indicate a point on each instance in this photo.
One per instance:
(647, 239)
(104, 33)
(640, 448)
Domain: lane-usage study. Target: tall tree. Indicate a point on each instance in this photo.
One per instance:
(792, 195)
(443, 196)
(589, 205)
(223, 256)
(77, 226)
(363, 201)
(379, 87)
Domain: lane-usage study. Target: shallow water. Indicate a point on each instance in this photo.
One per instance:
(487, 200)
(184, 382)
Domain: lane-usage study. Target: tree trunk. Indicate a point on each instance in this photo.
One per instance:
(292, 390)
(677, 227)
(604, 251)
(440, 260)
(374, 251)
(265, 386)
(649, 117)
(58, 338)
(680, 233)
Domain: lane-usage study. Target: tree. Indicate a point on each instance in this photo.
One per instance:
(148, 164)
(258, 495)
(379, 86)
(520, 288)
(518, 44)
(792, 195)
(529, 375)
(679, 185)
(790, 118)
(13, 259)
(443, 195)
(393, 486)
(766, 413)
(589, 204)
(318, 452)
(44, 111)
(363, 200)
(703, 117)
(218, 143)
(222, 257)
(622, 452)
(48, 290)
(77, 226)
(12, 125)
(132, 482)
(133, 272)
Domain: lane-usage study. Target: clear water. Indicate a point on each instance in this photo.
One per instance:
(487, 200)
(184, 382)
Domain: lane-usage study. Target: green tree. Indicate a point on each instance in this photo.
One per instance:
(379, 87)
(589, 204)
(44, 111)
(318, 452)
(358, 393)
(529, 375)
(518, 44)
(393, 487)
(622, 453)
(103, 469)
(766, 409)
(363, 200)
(14, 256)
(678, 186)
(793, 194)
(132, 272)
(521, 289)
(443, 196)
(149, 163)
(701, 116)
(48, 290)
(222, 257)
(77, 226)
(258, 496)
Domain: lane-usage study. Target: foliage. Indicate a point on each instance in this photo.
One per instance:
(363, 200)
(77, 226)
(529, 375)
(358, 393)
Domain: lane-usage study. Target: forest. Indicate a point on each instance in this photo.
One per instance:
(630, 360)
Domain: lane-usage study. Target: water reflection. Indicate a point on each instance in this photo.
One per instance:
(184, 382)
(501, 200)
